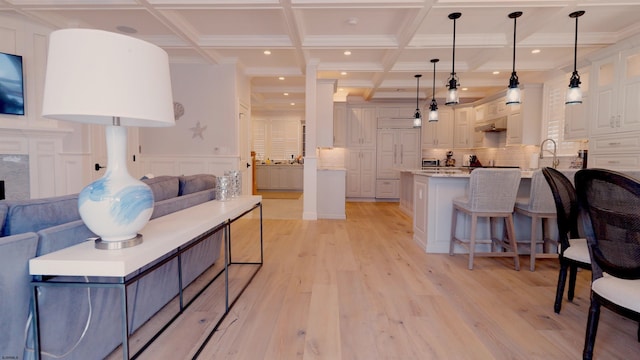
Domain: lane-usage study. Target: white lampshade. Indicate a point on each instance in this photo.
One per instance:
(98, 77)
(94, 75)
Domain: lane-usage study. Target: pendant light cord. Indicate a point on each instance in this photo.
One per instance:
(575, 47)
(433, 96)
(514, 44)
(417, 93)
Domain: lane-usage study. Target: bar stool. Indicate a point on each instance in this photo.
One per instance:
(492, 194)
(541, 208)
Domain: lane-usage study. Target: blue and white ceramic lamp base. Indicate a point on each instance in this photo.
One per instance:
(116, 206)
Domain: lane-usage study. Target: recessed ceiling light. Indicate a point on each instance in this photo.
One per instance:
(341, 89)
(465, 89)
(343, 73)
(126, 29)
(535, 51)
(267, 52)
(285, 94)
(352, 21)
(347, 52)
(293, 103)
(496, 72)
(281, 78)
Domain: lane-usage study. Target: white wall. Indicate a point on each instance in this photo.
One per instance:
(208, 94)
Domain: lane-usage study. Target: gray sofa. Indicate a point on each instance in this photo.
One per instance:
(81, 323)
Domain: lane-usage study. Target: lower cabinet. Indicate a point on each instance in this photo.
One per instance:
(361, 173)
(279, 177)
(387, 189)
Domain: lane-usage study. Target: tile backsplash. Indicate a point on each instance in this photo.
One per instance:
(525, 157)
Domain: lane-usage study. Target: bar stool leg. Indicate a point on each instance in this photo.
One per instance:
(472, 239)
(534, 236)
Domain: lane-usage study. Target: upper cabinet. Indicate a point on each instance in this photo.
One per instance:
(362, 126)
(576, 124)
(615, 93)
(462, 134)
(339, 124)
(524, 120)
(439, 134)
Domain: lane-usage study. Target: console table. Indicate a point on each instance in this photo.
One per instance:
(169, 235)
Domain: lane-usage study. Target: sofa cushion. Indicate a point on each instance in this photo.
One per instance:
(194, 183)
(15, 291)
(4, 208)
(163, 187)
(36, 214)
(162, 208)
(61, 236)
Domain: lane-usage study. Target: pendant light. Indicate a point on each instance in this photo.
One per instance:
(513, 92)
(574, 93)
(452, 94)
(433, 108)
(417, 118)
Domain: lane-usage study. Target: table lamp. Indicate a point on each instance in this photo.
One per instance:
(99, 77)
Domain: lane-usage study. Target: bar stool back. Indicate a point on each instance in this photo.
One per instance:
(492, 195)
(540, 207)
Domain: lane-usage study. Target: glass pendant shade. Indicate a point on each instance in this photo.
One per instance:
(433, 107)
(417, 117)
(513, 92)
(433, 111)
(452, 95)
(417, 120)
(574, 93)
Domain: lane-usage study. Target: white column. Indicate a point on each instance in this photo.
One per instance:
(310, 204)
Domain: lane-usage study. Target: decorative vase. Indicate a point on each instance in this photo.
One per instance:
(116, 206)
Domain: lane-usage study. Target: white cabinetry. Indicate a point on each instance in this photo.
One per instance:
(362, 127)
(279, 177)
(361, 173)
(439, 134)
(524, 120)
(396, 149)
(462, 136)
(361, 152)
(615, 89)
(339, 124)
(576, 120)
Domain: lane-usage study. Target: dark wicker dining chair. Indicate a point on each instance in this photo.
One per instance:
(612, 228)
(573, 252)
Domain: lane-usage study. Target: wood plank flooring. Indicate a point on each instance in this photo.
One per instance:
(361, 288)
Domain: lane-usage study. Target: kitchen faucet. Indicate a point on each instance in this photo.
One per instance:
(555, 161)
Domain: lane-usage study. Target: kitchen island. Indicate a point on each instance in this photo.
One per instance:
(427, 196)
(430, 193)
(280, 176)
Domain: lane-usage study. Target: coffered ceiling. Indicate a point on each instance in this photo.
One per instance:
(389, 41)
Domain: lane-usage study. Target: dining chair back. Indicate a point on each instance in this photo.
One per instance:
(612, 228)
(573, 251)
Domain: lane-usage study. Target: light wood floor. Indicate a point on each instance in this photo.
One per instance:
(363, 289)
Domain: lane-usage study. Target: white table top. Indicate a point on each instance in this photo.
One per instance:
(160, 236)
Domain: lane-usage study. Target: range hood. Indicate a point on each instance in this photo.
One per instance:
(495, 125)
